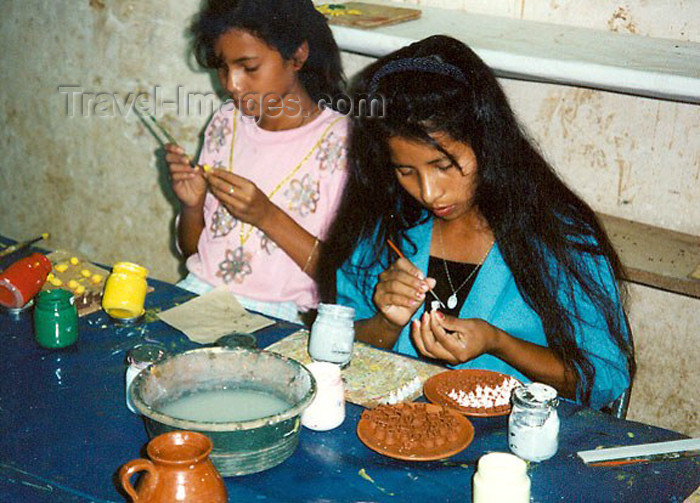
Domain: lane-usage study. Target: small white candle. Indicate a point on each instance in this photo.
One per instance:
(501, 477)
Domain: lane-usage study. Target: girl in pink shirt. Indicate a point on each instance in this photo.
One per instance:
(253, 222)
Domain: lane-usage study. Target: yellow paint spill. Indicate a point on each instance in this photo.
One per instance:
(453, 464)
(363, 473)
(151, 315)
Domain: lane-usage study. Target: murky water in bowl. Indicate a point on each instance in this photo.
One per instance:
(241, 447)
(225, 405)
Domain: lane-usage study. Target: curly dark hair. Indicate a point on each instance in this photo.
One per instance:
(284, 25)
(536, 219)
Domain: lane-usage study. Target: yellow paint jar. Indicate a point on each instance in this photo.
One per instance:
(125, 291)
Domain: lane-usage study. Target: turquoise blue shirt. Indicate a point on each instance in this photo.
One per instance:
(495, 298)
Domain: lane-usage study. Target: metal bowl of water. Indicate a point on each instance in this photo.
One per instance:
(247, 401)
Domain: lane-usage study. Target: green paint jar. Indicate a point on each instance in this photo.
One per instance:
(55, 319)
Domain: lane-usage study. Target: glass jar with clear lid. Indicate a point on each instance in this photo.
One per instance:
(332, 334)
(533, 425)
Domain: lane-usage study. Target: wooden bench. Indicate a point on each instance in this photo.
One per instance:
(656, 257)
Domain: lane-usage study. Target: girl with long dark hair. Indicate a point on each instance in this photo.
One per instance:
(254, 221)
(524, 273)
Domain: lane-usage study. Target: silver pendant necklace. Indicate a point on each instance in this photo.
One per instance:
(452, 299)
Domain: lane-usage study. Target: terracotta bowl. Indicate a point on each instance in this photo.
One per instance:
(438, 387)
(415, 431)
(240, 447)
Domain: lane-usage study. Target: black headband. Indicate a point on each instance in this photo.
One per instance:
(430, 64)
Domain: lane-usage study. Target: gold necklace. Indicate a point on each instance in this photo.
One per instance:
(452, 299)
(243, 234)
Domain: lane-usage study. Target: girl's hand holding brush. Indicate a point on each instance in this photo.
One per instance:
(188, 182)
(401, 290)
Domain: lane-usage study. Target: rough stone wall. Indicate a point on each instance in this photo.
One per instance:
(77, 161)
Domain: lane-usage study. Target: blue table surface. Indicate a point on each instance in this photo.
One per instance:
(66, 431)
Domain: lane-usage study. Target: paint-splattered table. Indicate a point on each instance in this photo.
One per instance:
(66, 430)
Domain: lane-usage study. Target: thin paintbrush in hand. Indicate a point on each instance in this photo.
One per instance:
(150, 121)
(154, 126)
(400, 254)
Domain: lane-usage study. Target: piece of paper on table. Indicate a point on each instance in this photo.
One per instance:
(206, 318)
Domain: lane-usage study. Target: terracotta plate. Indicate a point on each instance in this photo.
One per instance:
(437, 388)
(415, 431)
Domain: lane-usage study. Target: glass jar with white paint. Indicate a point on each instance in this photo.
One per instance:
(332, 334)
(533, 426)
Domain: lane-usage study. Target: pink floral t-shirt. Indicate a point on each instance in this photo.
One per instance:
(301, 170)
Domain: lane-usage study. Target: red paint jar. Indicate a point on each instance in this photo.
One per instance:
(23, 279)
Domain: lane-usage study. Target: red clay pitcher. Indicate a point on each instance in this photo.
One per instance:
(179, 471)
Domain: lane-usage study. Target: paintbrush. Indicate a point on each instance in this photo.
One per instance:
(400, 254)
(19, 246)
(643, 453)
(153, 125)
(669, 456)
(150, 122)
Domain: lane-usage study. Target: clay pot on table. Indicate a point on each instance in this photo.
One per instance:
(179, 471)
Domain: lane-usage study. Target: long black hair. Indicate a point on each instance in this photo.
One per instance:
(537, 221)
(284, 25)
